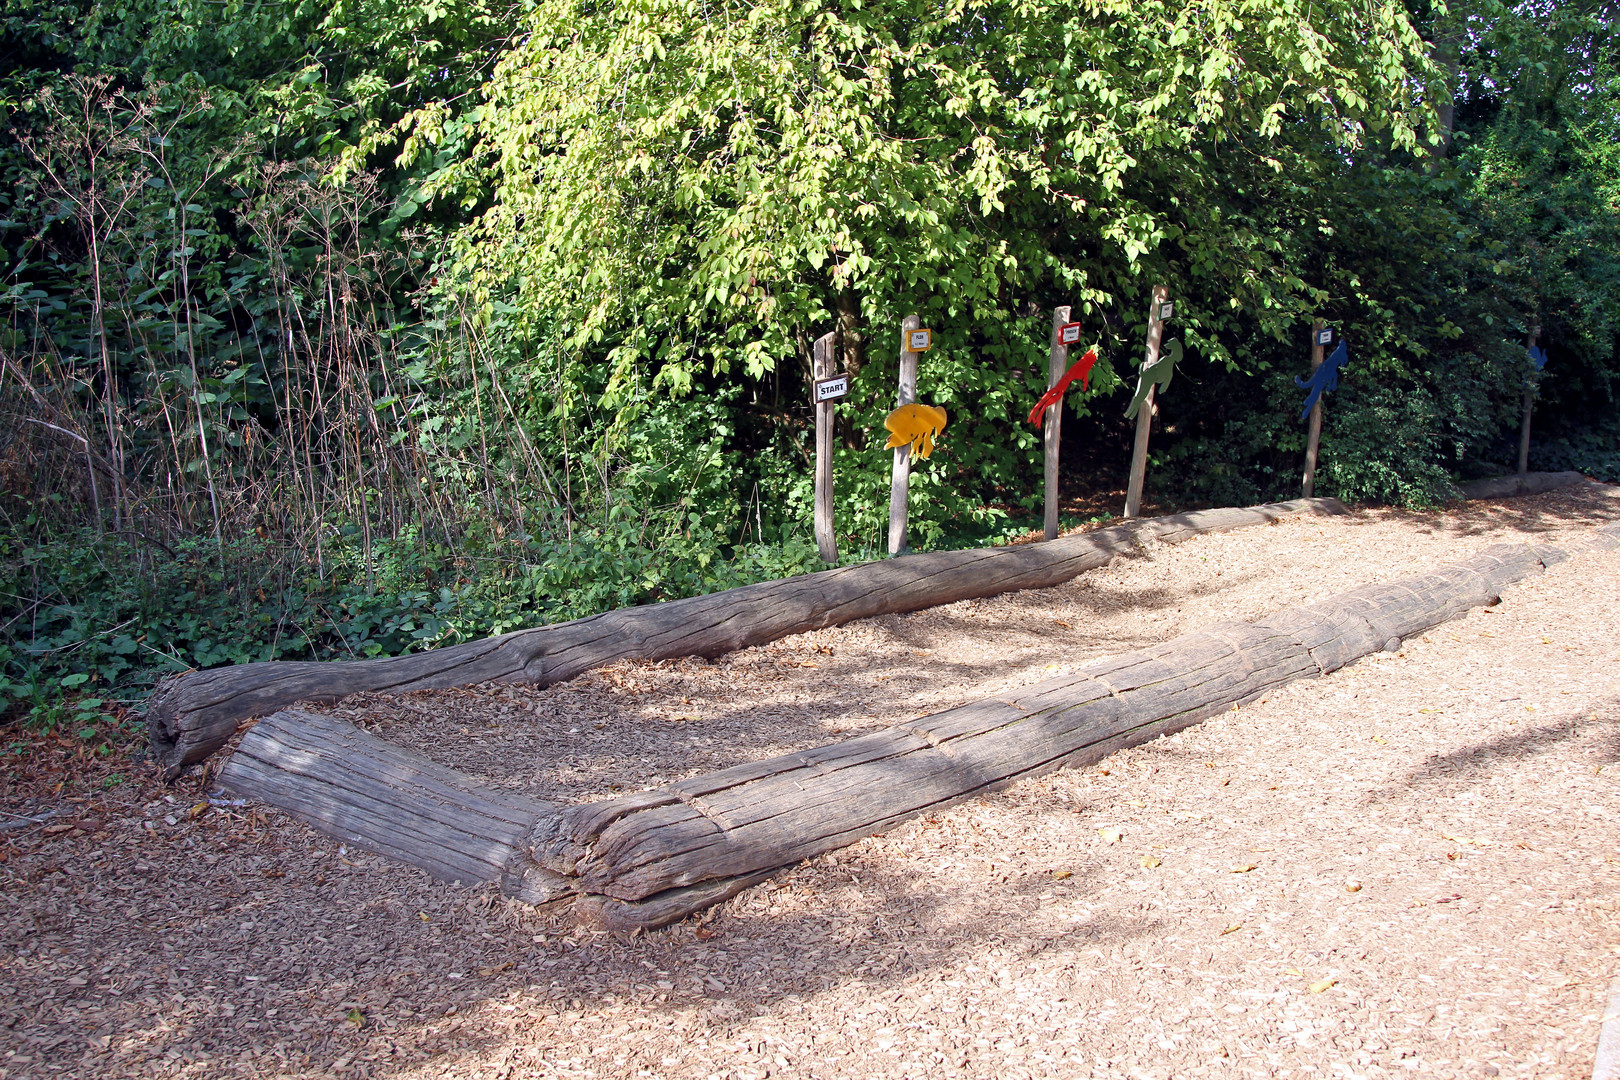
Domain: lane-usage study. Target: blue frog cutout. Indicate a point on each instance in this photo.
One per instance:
(1323, 379)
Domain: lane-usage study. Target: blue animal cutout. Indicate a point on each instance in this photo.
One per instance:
(1538, 357)
(1323, 379)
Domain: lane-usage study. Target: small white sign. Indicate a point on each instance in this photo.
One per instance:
(832, 389)
(1324, 337)
(1069, 333)
(1166, 310)
(920, 340)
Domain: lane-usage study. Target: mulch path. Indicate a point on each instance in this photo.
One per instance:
(1408, 868)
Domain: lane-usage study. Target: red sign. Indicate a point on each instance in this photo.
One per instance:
(1069, 334)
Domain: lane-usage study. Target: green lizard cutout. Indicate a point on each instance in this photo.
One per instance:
(1157, 374)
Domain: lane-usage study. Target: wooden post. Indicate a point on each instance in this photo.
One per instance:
(1144, 418)
(1313, 435)
(900, 481)
(1529, 401)
(826, 539)
(1057, 363)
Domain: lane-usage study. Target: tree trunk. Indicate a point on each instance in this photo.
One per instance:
(193, 715)
(648, 859)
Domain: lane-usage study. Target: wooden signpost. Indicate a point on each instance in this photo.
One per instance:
(1162, 310)
(832, 389)
(1529, 400)
(913, 341)
(1313, 436)
(822, 354)
(1058, 361)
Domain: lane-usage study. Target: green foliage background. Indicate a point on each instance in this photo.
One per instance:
(347, 328)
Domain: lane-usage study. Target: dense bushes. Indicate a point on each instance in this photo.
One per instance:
(334, 330)
(105, 613)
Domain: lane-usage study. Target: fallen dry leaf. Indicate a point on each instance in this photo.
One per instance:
(494, 969)
(1318, 987)
(1229, 929)
(1151, 861)
(1245, 868)
(1061, 874)
(1110, 836)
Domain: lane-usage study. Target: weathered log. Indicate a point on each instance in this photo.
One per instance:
(192, 716)
(352, 785)
(650, 858)
(1507, 487)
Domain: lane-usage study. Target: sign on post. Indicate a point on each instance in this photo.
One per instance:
(1538, 360)
(1152, 374)
(913, 340)
(1064, 334)
(1323, 377)
(822, 371)
(832, 389)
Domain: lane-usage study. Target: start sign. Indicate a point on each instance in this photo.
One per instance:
(1166, 310)
(1069, 334)
(832, 389)
(1324, 336)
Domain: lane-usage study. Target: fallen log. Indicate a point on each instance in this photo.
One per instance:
(193, 715)
(648, 859)
(1508, 487)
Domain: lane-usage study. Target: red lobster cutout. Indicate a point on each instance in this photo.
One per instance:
(1080, 369)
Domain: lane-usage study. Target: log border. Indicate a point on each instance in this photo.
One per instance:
(647, 859)
(194, 714)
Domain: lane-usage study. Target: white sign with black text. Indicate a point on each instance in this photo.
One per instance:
(832, 389)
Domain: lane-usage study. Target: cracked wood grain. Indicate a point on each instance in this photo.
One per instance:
(647, 859)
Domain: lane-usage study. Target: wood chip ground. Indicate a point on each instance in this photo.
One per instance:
(1408, 868)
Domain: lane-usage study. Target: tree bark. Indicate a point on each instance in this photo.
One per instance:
(193, 715)
(648, 859)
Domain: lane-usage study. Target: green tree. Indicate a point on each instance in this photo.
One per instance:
(694, 191)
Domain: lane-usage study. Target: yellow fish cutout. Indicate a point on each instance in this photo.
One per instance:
(917, 425)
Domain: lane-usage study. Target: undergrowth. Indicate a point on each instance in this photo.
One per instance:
(90, 622)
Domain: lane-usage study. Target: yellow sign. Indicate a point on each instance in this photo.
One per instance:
(919, 340)
(917, 425)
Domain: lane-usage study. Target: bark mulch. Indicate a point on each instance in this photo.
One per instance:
(1408, 868)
